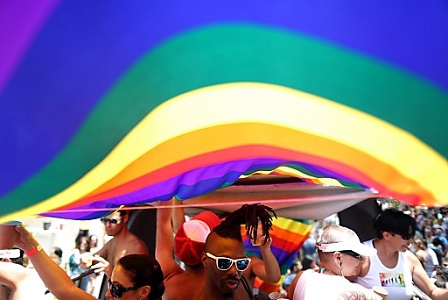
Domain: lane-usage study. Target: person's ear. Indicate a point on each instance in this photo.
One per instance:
(204, 259)
(387, 235)
(337, 258)
(125, 218)
(144, 292)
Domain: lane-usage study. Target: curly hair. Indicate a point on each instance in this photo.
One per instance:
(144, 270)
(249, 215)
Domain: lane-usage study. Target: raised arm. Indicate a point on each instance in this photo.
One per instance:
(266, 269)
(178, 215)
(164, 243)
(54, 277)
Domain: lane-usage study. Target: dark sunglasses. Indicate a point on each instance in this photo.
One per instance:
(351, 253)
(224, 263)
(111, 221)
(405, 237)
(117, 290)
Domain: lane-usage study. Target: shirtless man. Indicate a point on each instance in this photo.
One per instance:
(189, 245)
(224, 262)
(18, 282)
(124, 242)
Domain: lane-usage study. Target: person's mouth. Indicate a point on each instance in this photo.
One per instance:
(231, 284)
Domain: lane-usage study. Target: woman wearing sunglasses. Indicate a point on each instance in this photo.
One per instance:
(135, 277)
(340, 254)
(395, 267)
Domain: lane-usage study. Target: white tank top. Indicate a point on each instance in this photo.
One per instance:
(397, 281)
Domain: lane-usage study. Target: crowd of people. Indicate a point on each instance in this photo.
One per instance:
(204, 258)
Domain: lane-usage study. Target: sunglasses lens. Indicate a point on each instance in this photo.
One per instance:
(352, 254)
(406, 236)
(115, 290)
(242, 264)
(224, 264)
(112, 221)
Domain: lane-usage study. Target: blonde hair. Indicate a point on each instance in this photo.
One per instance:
(335, 234)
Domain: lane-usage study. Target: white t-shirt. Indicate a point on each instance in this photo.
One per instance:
(397, 281)
(431, 261)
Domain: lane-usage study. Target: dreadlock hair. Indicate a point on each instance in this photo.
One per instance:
(249, 215)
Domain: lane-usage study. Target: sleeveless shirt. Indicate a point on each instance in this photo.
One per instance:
(397, 281)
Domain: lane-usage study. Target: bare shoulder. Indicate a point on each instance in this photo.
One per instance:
(135, 245)
(103, 252)
(292, 287)
(412, 260)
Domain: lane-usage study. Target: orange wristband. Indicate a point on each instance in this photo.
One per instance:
(33, 251)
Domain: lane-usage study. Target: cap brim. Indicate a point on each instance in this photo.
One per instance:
(359, 248)
(9, 253)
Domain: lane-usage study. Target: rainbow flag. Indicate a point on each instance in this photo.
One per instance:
(126, 103)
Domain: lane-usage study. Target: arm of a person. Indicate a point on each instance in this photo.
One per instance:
(266, 269)
(293, 285)
(54, 277)
(178, 215)
(164, 242)
(422, 280)
(11, 273)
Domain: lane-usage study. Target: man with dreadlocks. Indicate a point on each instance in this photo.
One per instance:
(258, 224)
(224, 258)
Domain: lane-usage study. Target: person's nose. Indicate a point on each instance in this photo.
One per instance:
(233, 270)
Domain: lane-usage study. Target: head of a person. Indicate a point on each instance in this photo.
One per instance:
(224, 258)
(340, 250)
(115, 223)
(308, 262)
(428, 232)
(445, 262)
(296, 266)
(93, 241)
(82, 244)
(437, 242)
(136, 276)
(56, 255)
(189, 241)
(420, 244)
(397, 226)
(286, 283)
